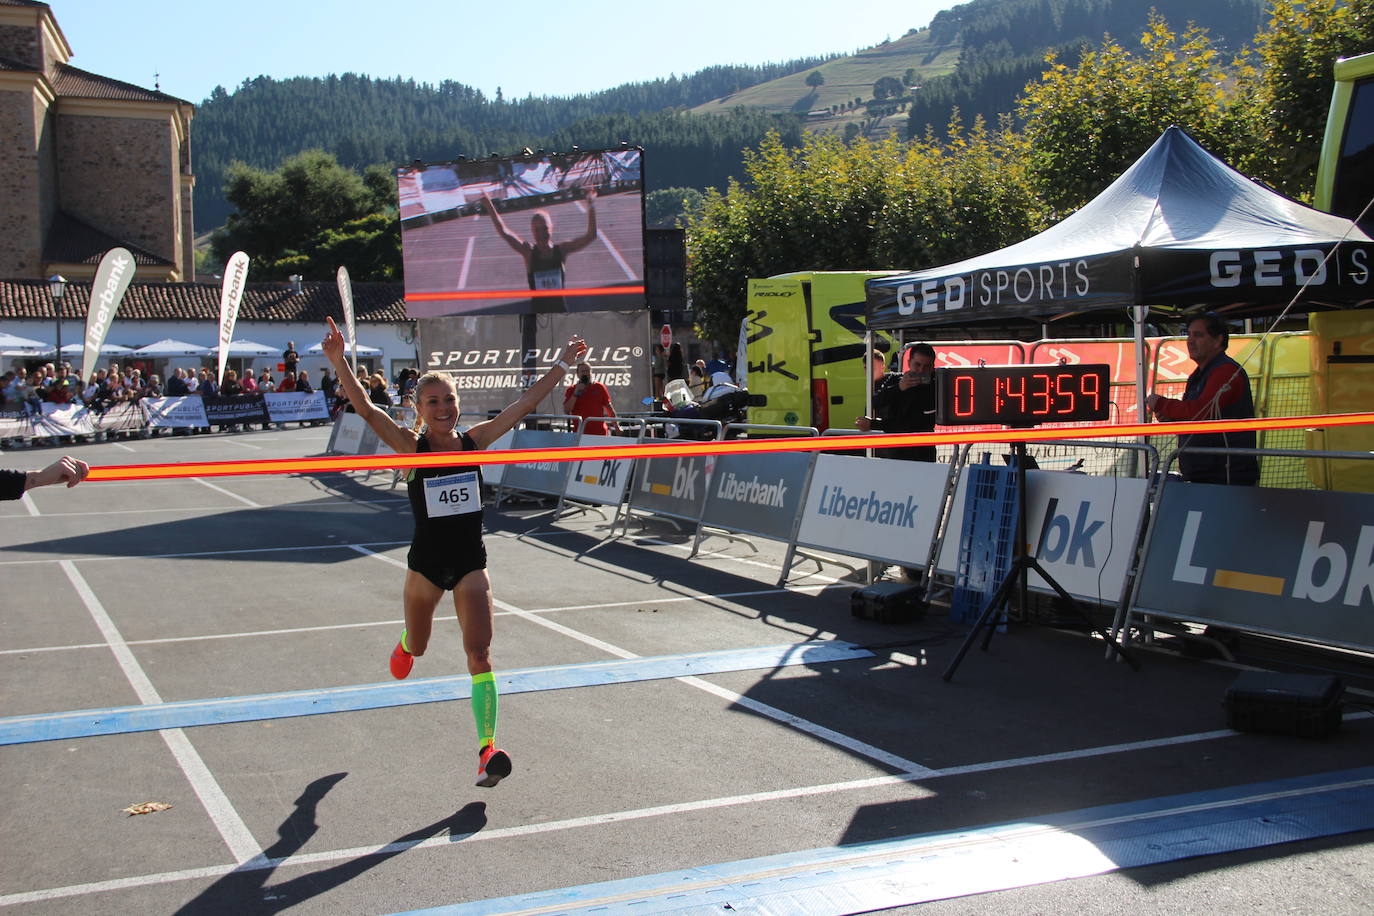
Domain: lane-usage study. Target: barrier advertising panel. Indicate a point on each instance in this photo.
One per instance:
(63, 420)
(880, 509)
(293, 406)
(244, 408)
(601, 481)
(1081, 528)
(675, 487)
(757, 494)
(175, 412)
(539, 476)
(493, 474)
(1288, 562)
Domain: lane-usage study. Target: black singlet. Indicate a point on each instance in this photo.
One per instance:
(447, 505)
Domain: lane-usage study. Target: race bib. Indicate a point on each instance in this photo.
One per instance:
(455, 494)
(548, 279)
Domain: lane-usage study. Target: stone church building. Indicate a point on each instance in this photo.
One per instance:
(87, 163)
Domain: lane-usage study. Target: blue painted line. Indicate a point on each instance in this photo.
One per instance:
(903, 872)
(124, 719)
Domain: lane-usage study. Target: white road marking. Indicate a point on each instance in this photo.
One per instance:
(287, 631)
(613, 817)
(217, 805)
(217, 488)
(467, 262)
(27, 502)
(208, 553)
(786, 718)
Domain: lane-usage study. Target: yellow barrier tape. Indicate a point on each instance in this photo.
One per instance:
(674, 448)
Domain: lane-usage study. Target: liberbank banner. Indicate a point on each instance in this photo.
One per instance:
(601, 481)
(1082, 529)
(881, 509)
(757, 494)
(1287, 562)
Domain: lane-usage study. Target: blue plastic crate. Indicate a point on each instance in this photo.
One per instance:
(988, 546)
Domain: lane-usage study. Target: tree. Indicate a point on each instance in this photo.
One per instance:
(1292, 90)
(1085, 125)
(815, 79)
(826, 205)
(887, 87)
(671, 208)
(308, 216)
(909, 77)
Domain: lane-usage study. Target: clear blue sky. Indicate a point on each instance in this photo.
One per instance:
(540, 48)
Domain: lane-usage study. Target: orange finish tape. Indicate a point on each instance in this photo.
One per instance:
(673, 448)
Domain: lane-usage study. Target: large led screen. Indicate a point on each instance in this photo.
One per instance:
(545, 233)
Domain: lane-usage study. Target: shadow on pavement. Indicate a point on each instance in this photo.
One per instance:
(248, 888)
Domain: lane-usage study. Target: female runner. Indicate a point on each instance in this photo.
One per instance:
(446, 551)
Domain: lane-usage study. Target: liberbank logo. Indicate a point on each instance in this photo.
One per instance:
(753, 491)
(1325, 570)
(870, 508)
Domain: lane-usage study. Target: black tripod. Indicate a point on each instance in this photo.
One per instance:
(1016, 576)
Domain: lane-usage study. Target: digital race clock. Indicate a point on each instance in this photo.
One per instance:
(1021, 395)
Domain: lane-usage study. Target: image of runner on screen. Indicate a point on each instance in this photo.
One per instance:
(544, 260)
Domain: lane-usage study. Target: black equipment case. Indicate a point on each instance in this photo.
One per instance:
(1305, 705)
(889, 602)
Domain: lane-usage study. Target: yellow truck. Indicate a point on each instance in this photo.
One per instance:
(804, 336)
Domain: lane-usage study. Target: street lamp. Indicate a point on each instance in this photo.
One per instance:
(57, 285)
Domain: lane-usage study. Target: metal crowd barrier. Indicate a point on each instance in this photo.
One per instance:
(1294, 564)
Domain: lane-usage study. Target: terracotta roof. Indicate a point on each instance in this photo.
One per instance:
(70, 241)
(32, 4)
(7, 64)
(200, 301)
(73, 82)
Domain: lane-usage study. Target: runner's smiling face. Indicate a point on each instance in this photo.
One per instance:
(437, 405)
(541, 229)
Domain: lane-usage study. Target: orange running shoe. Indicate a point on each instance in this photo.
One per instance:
(492, 766)
(401, 660)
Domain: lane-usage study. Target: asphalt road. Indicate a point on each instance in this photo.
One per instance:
(669, 718)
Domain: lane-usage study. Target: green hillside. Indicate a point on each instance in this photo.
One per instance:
(848, 78)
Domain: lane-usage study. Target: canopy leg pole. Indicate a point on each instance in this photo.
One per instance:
(1138, 315)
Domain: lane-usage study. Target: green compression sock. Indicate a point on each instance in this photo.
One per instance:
(484, 703)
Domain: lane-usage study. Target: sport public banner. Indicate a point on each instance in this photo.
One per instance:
(601, 482)
(675, 487)
(230, 297)
(126, 416)
(543, 476)
(1294, 563)
(293, 406)
(15, 424)
(757, 494)
(111, 280)
(884, 510)
(176, 412)
(64, 420)
(1081, 528)
(486, 356)
(242, 408)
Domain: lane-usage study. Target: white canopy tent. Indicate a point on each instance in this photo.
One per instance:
(1178, 228)
(317, 350)
(251, 348)
(14, 345)
(168, 347)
